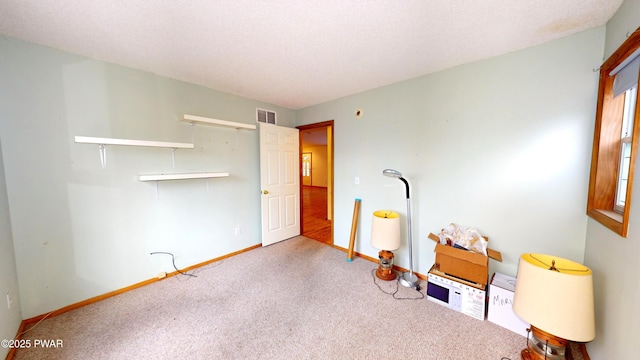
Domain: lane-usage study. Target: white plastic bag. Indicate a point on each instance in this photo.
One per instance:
(465, 237)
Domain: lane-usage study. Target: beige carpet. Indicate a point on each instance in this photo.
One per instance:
(297, 299)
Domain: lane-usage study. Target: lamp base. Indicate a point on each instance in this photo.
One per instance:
(544, 346)
(527, 354)
(409, 279)
(385, 267)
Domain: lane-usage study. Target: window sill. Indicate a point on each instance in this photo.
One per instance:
(608, 218)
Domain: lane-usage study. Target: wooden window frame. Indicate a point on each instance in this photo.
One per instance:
(605, 159)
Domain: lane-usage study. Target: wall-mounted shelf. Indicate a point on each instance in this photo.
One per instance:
(162, 177)
(184, 176)
(127, 142)
(103, 142)
(194, 119)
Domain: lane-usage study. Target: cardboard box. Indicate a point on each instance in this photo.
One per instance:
(463, 264)
(501, 290)
(459, 295)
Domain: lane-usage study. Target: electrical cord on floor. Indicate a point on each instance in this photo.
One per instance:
(373, 275)
(34, 326)
(173, 261)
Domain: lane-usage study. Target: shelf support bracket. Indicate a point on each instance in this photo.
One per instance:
(102, 149)
(173, 157)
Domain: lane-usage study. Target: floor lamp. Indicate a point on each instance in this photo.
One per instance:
(408, 279)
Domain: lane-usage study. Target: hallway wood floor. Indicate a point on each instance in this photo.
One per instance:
(314, 207)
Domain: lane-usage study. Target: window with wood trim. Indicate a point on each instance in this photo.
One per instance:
(615, 140)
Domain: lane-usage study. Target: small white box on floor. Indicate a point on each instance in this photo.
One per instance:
(500, 311)
(459, 295)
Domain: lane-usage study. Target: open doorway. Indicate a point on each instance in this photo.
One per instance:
(316, 173)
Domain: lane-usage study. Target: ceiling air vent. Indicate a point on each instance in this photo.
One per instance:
(266, 116)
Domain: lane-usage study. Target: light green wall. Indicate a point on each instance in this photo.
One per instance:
(10, 318)
(80, 230)
(615, 261)
(502, 144)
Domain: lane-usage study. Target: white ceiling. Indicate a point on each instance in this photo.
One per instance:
(296, 53)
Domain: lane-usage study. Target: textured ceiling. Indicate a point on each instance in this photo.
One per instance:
(296, 53)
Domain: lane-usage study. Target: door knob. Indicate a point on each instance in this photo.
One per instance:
(265, 192)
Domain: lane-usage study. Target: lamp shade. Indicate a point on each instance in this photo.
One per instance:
(555, 295)
(385, 230)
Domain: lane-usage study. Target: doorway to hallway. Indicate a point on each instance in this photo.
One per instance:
(316, 190)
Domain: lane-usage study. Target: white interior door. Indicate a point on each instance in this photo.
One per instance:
(280, 182)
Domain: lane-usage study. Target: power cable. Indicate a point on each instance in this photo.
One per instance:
(173, 260)
(396, 290)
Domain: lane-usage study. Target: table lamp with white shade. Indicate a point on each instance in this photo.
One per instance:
(555, 296)
(385, 236)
